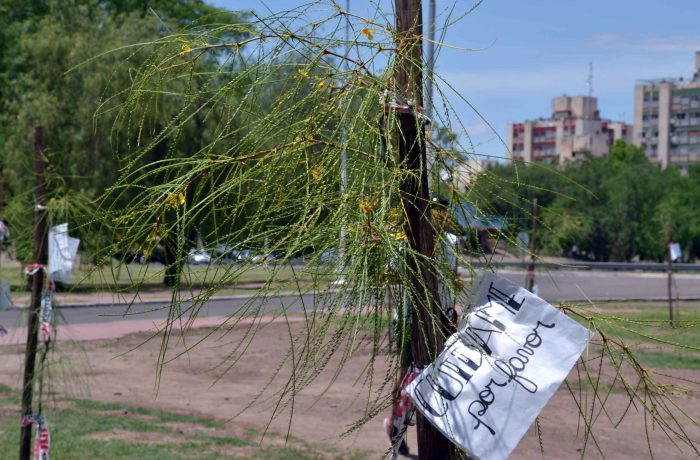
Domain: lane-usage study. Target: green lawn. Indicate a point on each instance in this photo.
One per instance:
(647, 329)
(89, 430)
(129, 277)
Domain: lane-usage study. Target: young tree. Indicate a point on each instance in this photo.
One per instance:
(286, 105)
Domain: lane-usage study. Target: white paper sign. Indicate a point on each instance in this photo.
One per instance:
(5, 295)
(675, 250)
(499, 370)
(62, 251)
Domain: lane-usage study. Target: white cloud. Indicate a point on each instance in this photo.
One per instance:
(647, 42)
(515, 80)
(611, 74)
(477, 129)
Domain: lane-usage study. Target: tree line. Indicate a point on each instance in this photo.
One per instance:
(69, 66)
(616, 208)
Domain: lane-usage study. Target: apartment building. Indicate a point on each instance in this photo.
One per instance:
(667, 119)
(574, 128)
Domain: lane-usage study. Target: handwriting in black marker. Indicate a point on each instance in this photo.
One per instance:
(512, 369)
(509, 302)
(452, 374)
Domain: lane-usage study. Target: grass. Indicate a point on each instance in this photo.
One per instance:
(669, 359)
(87, 430)
(650, 324)
(644, 326)
(150, 276)
(656, 342)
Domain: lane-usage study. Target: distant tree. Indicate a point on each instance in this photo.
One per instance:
(610, 215)
(678, 210)
(508, 191)
(611, 208)
(45, 42)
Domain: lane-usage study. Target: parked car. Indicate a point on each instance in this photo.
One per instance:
(198, 257)
(250, 255)
(225, 252)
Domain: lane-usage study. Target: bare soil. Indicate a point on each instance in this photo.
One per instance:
(194, 381)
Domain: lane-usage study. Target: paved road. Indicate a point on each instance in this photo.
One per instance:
(554, 285)
(608, 285)
(159, 310)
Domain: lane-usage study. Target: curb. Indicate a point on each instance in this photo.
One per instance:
(626, 299)
(291, 294)
(146, 302)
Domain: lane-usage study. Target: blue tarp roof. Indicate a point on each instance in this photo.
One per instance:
(470, 218)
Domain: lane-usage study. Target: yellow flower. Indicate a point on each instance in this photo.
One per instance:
(304, 73)
(185, 50)
(366, 207)
(175, 199)
(316, 174)
(369, 33)
(399, 236)
(320, 85)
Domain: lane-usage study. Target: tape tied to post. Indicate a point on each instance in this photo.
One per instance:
(46, 314)
(32, 269)
(42, 439)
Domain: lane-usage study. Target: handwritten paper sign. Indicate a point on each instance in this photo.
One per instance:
(62, 251)
(499, 369)
(675, 251)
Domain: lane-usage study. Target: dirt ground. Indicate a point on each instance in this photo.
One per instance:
(122, 369)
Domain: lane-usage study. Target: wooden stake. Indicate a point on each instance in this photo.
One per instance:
(429, 325)
(669, 271)
(533, 246)
(39, 256)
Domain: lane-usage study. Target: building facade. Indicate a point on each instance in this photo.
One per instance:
(667, 119)
(574, 128)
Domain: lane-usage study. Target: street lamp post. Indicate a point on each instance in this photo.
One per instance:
(344, 154)
(430, 67)
(430, 60)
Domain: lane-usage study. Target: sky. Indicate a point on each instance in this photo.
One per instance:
(521, 53)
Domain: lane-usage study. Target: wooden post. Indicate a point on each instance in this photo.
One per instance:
(39, 256)
(2, 208)
(429, 325)
(669, 271)
(533, 246)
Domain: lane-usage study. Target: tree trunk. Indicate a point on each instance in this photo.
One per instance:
(39, 256)
(429, 323)
(174, 260)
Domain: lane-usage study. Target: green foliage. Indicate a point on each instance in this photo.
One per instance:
(284, 108)
(234, 133)
(615, 208)
(283, 104)
(64, 66)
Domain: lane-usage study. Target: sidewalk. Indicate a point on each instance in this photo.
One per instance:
(116, 329)
(109, 298)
